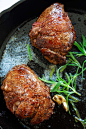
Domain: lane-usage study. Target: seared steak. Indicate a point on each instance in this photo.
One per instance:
(26, 96)
(53, 34)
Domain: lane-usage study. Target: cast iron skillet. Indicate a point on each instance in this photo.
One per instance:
(19, 16)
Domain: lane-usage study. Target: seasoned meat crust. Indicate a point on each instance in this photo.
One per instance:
(26, 96)
(53, 34)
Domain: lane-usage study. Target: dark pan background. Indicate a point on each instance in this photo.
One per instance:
(9, 20)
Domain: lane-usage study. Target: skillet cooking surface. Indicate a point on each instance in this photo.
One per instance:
(16, 53)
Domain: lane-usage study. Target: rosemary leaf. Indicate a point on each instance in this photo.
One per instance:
(29, 51)
(81, 47)
(52, 71)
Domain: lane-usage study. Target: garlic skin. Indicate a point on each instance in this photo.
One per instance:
(61, 100)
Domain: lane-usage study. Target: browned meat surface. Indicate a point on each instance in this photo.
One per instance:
(26, 96)
(53, 34)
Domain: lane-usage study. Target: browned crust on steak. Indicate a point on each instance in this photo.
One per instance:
(26, 96)
(53, 30)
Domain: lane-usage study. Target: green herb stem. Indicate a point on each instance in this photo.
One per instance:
(29, 51)
(81, 47)
(71, 88)
(74, 99)
(52, 71)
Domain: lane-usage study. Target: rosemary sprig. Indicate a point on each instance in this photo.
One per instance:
(77, 117)
(61, 86)
(67, 88)
(73, 60)
(81, 47)
(83, 122)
